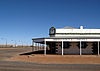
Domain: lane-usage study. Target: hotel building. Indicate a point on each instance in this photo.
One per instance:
(69, 40)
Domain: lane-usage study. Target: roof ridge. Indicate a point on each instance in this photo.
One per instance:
(68, 27)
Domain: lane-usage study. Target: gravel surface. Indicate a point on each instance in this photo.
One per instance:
(27, 66)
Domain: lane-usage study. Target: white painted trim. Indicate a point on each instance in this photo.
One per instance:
(59, 35)
(80, 49)
(72, 40)
(98, 47)
(77, 30)
(38, 47)
(45, 48)
(62, 49)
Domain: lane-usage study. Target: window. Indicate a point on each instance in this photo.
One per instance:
(66, 45)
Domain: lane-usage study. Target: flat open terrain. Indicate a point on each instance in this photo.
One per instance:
(15, 65)
(58, 59)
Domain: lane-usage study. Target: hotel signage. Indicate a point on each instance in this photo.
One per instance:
(52, 31)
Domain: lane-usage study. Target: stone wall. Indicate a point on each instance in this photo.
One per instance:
(74, 48)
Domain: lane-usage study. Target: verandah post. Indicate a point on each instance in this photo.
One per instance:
(98, 47)
(44, 47)
(80, 49)
(62, 49)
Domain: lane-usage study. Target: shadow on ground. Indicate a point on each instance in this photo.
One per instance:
(36, 52)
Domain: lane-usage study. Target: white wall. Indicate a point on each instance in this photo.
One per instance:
(77, 30)
(58, 35)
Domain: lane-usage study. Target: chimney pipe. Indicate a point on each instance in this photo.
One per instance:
(81, 27)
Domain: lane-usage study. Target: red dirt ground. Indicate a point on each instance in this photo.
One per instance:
(58, 59)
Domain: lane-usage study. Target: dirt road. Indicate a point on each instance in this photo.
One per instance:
(26, 66)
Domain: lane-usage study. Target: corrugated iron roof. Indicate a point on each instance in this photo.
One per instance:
(67, 38)
(69, 28)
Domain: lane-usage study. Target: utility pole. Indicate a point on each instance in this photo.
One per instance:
(15, 42)
(5, 40)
